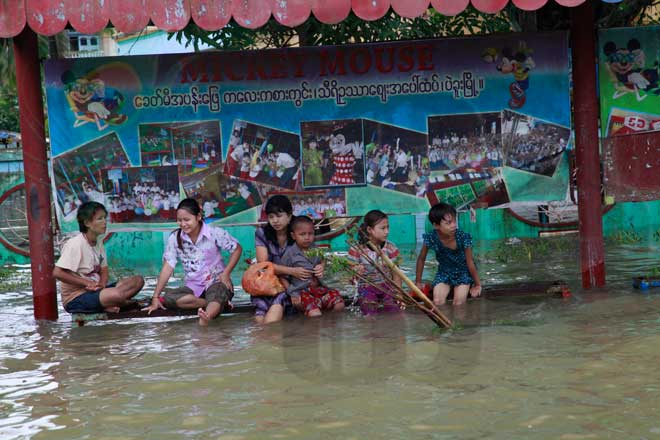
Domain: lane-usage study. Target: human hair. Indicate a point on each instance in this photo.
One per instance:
(278, 204)
(86, 212)
(301, 220)
(440, 211)
(370, 219)
(193, 208)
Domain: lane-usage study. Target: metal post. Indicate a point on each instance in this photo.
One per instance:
(583, 43)
(37, 182)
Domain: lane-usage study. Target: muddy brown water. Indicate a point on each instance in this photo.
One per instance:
(579, 368)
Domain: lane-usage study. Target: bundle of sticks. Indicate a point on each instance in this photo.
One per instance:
(388, 271)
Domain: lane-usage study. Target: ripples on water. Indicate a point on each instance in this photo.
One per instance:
(585, 367)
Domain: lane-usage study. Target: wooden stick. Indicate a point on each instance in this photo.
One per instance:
(445, 320)
(394, 290)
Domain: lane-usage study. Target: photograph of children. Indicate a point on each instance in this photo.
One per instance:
(321, 205)
(220, 195)
(396, 158)
(317, 204)
(263, 154)
(77, 172)
(141, 194)
(192, 146)
(491, 192)
(458, 196)
(530, 144)
(470, 140)
(333, 153)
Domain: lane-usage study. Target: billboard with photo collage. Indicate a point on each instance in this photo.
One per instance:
(469, 120)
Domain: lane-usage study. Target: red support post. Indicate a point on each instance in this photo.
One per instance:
(583, 43)
(37, 182)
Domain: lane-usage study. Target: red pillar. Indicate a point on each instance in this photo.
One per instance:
(37, 182)
(583, 43)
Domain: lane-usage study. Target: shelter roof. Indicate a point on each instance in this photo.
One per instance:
(48, 17)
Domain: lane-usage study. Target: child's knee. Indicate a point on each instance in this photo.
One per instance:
(188, 302)
(138, 281)
(368, 307)
(131, 285)
(440, 293)
(439, 299)
(460, 294)
(340, 306)
(112, 297)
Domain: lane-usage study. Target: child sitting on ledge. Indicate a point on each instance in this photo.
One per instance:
(310, 294)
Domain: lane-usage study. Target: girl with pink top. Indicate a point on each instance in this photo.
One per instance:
(207, 287)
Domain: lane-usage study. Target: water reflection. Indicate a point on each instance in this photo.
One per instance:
(582, 367)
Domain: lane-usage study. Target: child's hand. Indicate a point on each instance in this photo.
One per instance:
(297, 302)
(319, 269)
(301, 273)
(225, 279)
(93, 286)
(475, 290)
(155, 305)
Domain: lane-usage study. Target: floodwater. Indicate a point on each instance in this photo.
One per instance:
(578, 368)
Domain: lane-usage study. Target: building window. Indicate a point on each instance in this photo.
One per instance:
(73, 43)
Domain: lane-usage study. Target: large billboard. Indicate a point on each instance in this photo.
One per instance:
(408, 120)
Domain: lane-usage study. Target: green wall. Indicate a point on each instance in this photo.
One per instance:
(143, 250)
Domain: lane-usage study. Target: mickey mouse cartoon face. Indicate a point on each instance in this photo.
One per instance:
(510, 61)
(620, 59)
(338, 144)
(81, 90)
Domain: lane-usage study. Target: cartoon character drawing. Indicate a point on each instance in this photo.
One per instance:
(344, 156)
(519, 63)
(626, 66)
(91, 101)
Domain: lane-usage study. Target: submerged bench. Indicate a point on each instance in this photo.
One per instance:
(554, 289)
(137, 312)
(531, 288)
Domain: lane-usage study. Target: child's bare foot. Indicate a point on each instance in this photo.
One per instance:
(111, 309)
(203, 317)
(314, 313)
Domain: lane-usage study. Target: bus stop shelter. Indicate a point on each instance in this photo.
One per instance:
(22, 20)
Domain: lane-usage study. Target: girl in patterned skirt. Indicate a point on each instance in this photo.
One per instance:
(453, 250)
(375, 228)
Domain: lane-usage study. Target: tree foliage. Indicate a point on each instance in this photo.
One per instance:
(629, 13)
(8, 99)
(351, 30)
(7, 67)
(9, 119)
(8, 109)
(432, 24)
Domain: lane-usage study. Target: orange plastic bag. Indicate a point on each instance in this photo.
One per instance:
(260, 280)
(426, 290)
